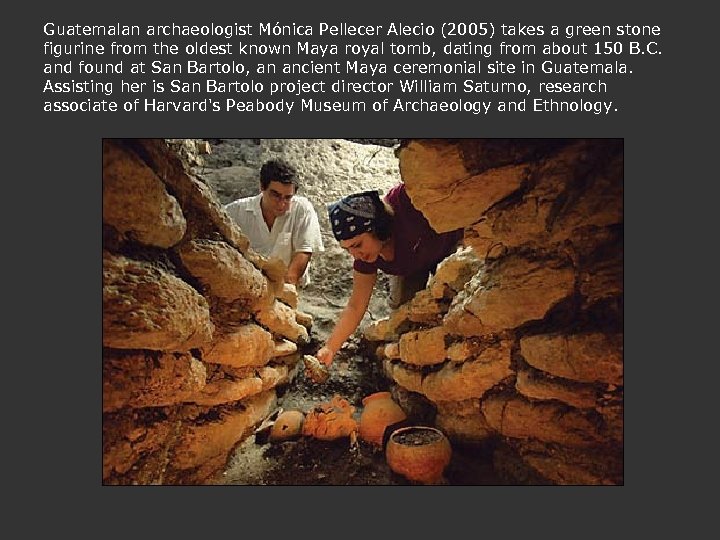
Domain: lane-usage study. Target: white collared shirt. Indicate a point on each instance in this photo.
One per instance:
(296, 230)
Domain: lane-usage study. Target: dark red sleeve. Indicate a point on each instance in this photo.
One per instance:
(364, 268)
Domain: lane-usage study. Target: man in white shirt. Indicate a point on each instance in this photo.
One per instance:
(280, 223)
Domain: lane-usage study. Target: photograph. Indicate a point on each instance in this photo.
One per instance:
(363, 312)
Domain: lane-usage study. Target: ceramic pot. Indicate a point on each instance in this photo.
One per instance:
(331, 420)
(379, 411)
(419, 453)
(287, 426)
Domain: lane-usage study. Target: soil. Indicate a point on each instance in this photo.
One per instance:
(354, 374)
(417, 437)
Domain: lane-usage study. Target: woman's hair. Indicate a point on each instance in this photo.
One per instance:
(383, 220)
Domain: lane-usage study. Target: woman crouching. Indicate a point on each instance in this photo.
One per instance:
(389, 235)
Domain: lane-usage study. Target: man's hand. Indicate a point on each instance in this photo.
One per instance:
(297, 267)
(325, 355)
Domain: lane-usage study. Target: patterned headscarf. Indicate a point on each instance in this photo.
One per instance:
(354, 214)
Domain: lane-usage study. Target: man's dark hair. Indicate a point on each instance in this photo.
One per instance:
(280, 171)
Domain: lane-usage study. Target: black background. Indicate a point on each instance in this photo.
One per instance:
(52, 278)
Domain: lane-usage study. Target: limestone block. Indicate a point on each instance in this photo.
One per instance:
(560, 472)
(190, 150)
(465, 407)
(483, 154)
(455, 382)
(526, 221)
(223, 272)
(389, 328)
(468, 348)
(273, 268)
(223, 371)
(135, 444)
(291, 360)
(248, 345)
(145, 307)
(521, 224)
(391, 350)
(599, 202)
(460, 321)
(453, 273)
(227, 316)
(479, 237)
(516, 417)
(536, 387)
(229, 389)
(513, 292)
(592, 357)
(578, 187)
(204, 213)
(601, 280)
(399, 320)
(284, 347)
(468, 430)
(431, 163)
(217, 434)
(574, 466)
(280, 320)
(304, 319)
(613, 419)
(378, 330)
(424, 347)
(225, 390)
(463, 421)
(289, 295)
(425, 309)
(463, 323)
(441, 187)
(273, 376)
(135, 201)
(144, 379)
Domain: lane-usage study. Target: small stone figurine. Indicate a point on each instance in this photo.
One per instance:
(315, 370)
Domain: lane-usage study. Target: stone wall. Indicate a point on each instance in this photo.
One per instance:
(198, 330)
(518, 337)
(517, 340)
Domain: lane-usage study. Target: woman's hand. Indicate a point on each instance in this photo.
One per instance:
(325, 355)
(350, 317)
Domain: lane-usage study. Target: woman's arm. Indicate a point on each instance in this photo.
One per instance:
(350, 317)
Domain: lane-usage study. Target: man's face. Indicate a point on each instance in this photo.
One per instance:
(277, 197)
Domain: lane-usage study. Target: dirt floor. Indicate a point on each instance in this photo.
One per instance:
(309, 461)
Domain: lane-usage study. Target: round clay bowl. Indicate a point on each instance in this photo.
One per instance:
(379, 411)
(419, 453)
